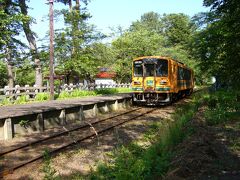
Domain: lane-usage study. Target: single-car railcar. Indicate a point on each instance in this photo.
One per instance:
(158, 80)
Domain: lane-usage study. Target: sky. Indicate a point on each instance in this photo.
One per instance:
(113, 13)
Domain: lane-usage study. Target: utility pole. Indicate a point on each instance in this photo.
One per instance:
(51, 73)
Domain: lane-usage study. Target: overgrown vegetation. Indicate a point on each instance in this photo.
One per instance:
(135, 161)
(47, 169)
(150, 159)
(64, 95)
(222, 106)
(24, 123)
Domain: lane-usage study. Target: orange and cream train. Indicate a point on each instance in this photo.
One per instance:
(158, 80)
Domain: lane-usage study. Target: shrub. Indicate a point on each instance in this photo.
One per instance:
(6, 101)
(222, 105)
(22, 99)
(138, 162)
(42, 97)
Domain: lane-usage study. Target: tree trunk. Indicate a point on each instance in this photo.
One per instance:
(70, 5)
(32, 43)
(77, 5)
(9, 68)
(75, 28)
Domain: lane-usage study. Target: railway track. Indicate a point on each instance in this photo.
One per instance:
(18, 157)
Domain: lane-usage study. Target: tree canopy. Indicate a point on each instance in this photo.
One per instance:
(207, 42)
(217, 45)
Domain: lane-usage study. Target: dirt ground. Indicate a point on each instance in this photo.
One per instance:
(212, 152)
(84, 156)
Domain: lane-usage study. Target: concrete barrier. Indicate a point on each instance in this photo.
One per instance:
(41, 120)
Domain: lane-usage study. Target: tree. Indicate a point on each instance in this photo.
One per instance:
(132, 45)
(3, 74)
(218, 44)
(32, 44)
(74, 41)
(150, 21)
(153, 35)
(177, 28)
(10, 27)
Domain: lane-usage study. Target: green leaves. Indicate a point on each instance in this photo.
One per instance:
(154, 35)
(178, 28)
(217, 45)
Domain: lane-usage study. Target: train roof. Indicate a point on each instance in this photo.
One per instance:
(160, 57)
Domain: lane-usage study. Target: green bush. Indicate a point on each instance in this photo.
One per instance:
(76, 93)
(64, 95)
(82, 93)
(7, 101)
(22, 99)
(42, 97)
(138, 162)
(222, 106)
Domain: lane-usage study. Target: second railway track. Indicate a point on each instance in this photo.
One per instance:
(18, 157)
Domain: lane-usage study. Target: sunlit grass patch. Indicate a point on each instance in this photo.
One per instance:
(135, 161)
(45, 96)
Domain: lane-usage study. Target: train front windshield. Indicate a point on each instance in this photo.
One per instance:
(162, 68)
(149, 69)
(152, 67)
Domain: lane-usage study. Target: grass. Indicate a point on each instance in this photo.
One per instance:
(222, 106)
(64, 95)
(47, 169)
(151, 161)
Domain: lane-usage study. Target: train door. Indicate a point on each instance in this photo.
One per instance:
(149, 77)
(137, 79)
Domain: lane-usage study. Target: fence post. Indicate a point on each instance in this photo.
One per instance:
(6, 90)
(71, 87)
(35, 89)
(17, 91)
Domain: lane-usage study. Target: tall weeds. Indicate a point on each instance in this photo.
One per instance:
(135, 161)
(222, 106)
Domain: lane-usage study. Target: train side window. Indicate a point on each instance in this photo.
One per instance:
(187, 74)
(180, 73)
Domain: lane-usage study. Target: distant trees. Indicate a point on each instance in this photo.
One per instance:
(74, 41)
(153, 34)
(178, 28)
(209, 43)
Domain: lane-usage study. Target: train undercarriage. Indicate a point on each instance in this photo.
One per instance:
(154, 98)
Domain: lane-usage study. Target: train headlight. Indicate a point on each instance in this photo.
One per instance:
(136, 82)
(162, 82)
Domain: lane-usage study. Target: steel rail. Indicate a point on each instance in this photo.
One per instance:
(62, 133)
(10, 170)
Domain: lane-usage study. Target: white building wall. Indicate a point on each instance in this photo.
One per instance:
(108, 81)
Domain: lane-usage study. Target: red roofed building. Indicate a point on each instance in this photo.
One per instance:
(105, 77)
(108, 75)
